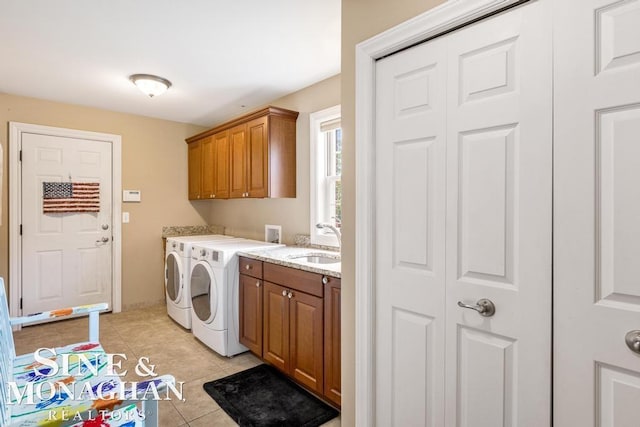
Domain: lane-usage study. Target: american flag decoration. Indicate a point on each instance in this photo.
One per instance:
(64, 197)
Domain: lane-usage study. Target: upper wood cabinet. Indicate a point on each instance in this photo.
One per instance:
(251, 156)
(209, 167)
(195, 170)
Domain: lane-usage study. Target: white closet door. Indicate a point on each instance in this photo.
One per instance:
(499, 215)
(410, 237)
(596, 212)
(494, 138)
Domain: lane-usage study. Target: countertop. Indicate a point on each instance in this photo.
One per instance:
(190, 230)
(286, 257)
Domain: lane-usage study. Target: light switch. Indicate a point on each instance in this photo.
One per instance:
(125, 217)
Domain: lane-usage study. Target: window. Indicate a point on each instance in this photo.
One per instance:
(326, 171)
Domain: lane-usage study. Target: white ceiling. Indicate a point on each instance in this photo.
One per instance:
(219, 54)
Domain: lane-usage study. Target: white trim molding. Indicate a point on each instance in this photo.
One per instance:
(15, 187)
(317, 162)
(437, 21)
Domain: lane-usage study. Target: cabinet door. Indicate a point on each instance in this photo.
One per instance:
(207, 147)
(306, 337)
(332, 369)
(238, 161)
(195, 169)
(221, 165)
(251, 313)
(258, 157)
(275, 344)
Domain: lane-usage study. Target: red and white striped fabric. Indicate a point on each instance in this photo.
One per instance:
(64, 197)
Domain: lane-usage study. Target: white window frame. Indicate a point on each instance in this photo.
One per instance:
(317, 166)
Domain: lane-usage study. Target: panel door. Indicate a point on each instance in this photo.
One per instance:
(251, 313)
(464, 119)
(66, 257)
(221, 165)
(499, 195)
(258, 157)
(195, 170)
(306, 339)
(596, 212)
(207, 174)
(238, 161)
(410, 225)
(275, 336)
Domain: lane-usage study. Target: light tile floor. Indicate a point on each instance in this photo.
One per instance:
(151, 333)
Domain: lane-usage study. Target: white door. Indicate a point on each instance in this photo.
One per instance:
(499, 216)
(463, 212)
(596, 212)
(410, 235)
(66, 257)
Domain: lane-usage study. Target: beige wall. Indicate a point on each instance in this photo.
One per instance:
(154, 160)
(247, 217)
(360, 21)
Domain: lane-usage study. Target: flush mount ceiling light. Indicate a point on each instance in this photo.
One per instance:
(150, 85)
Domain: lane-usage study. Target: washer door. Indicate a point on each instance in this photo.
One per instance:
(204, 294)
(173, 277)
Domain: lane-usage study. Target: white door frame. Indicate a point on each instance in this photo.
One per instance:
(446, 17)
(15, 195)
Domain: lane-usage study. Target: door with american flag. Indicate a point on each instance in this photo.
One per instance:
(66, 210)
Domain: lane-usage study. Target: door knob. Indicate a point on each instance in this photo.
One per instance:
(484, 306)
(633, 341)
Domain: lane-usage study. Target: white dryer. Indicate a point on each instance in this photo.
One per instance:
(215, 293)
(177, 270)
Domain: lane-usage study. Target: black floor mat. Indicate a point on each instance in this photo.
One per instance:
(262, 396)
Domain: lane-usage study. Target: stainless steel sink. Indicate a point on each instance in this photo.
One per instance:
(317, 259)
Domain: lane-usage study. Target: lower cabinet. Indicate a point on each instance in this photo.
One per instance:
(332, 336)
(251, 313)
(291, 319)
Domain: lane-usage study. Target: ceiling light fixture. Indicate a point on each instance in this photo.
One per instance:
(150, 85)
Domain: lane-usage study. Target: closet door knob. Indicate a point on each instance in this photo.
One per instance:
(633, 341)
(284, 293)
(485, 307)
(290, 295)
(257, 284)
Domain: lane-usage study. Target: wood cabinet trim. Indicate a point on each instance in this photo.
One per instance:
(270, 110)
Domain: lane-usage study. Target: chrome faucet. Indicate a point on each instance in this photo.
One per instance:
(322, 225)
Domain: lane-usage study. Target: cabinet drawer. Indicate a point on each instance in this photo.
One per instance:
(251, 267)
(292, 278)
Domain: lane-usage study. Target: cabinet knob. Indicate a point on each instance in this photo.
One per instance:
(325, 280)
(290, 295)
(284, 293)
(213, 196)
(247, 267)
(257, 284)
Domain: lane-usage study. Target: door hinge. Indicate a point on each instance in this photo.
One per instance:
(20, 303)
(20, 159)
(21, 229)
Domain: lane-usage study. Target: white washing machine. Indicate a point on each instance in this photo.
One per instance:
(177, 271)
(215, 293)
